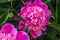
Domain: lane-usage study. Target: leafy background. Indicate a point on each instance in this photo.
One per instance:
(10, 8)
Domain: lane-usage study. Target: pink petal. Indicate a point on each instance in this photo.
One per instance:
(42, 5)
(36, 34)
(22, 36)
(48, 13)
(9, 28)
(21, 26)
(44, 28)
(33, 34)
(27, 3)
(16, 19)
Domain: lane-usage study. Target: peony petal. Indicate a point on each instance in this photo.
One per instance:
(42, 5)
(33, 34)
(21, 25)
(9, 28)
(48, 13)
(36, 34)
(43, 28)
(27, 3)
(16, 19)
(22, 36)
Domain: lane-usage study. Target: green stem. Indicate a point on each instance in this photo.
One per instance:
(11, 5)
(56, 14)
(31, 38)
(34, 39)
(22, 1)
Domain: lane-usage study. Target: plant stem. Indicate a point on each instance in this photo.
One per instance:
(11, 5)
(56, 13)
(22, 1)
(34, 39)
(31, 38)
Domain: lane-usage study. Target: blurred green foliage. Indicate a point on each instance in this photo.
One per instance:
(14, 6)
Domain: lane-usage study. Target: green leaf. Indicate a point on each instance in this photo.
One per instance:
(3, 18)
(56, 26)
(4, 1)
(2, 10)
(58, 10)
(46, 1)
(52, 35)
(19, 18)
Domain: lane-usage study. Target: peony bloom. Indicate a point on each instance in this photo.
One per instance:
(36, 15)
(8, 32)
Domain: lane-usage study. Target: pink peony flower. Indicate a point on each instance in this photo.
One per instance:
(36, 15)
(9, 32)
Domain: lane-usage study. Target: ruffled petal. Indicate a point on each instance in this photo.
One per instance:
(8, 28)
(22, 26)
(43, 28)
(27, 3)
(22, 36)
(33, 34)
(41, 4)
(36, 34)
(48, 13)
